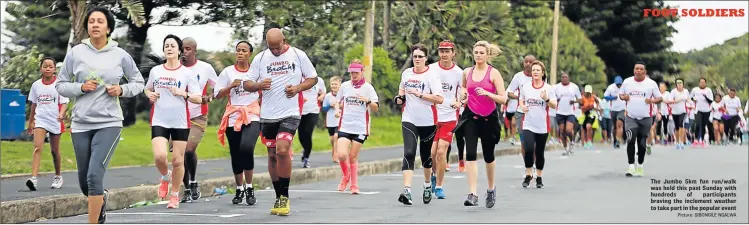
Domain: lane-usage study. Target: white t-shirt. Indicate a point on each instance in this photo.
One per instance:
(311, 105)
(237, 96)
(537, 118)
(699, 96)
(451, 80)
(563, 94)
(680, 107)
(617, 104)
(170, 111)
(664, 107)
(420, 112)
(516, 83)
(690, 110)
(733, 105)
(330, 120)
(48, 103)
(715, 112)
(354, 112)
(205, 75)
(638, 91)
(290, 68)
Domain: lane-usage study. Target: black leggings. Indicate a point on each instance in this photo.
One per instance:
(242, 147)
(729, 127)
(460, 142)
(306, 127)
(661, 129)
(534, 145)
(475, 129)
(411, 135)
(703, 119)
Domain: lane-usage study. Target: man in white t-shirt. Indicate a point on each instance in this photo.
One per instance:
(514, 114)
(567, 94)
(281, 72)
(640, 93)
(616, 106)
(206, 77)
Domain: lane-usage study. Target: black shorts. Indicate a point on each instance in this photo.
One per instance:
(332, 131)
(509, 116)
(282, 128)
(561, 119)
(617, 115)
(353, 137)
(174, 134)
(588, 119)
(678, 121)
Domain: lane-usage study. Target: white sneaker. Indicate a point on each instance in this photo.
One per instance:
(57, 182)
(512, 141)
(31, 183)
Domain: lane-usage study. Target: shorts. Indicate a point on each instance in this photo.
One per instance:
(197, 129)
(519, 121)
(561, 119)
(283, 129)
(637, 128)
(332, 131)
(719, 120)
(445, 131)
(617, 115)
(361, 138)
(588, 120)
(174, 134)
(678, 121)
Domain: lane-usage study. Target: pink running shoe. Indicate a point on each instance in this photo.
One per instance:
(164, 186)
(173, 202)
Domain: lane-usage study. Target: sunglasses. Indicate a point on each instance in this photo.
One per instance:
(419, 56)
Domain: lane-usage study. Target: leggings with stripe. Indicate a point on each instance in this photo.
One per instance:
(411, 137)
(93, 150)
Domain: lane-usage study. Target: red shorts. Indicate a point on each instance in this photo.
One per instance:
(445, 131)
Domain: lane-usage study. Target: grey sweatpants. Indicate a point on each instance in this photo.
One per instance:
(93, 150)
(636, 132)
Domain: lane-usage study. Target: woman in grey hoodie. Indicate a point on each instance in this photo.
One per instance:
(91, 74)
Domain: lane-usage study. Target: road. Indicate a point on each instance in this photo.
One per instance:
(588, 187)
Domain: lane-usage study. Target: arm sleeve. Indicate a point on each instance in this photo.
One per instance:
(135, 82)
(435, 85)
(321, 86)
(373, 95)
(64, 100)
(656, 92)
(66, 84)
(254, 74)
(193, 86)
(32, 94)
(212, 77)
(149, 83)
(513, 85)
(308, 70)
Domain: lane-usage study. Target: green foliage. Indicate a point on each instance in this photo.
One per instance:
(577, 54)
(724, 65)
(22, 70)
(38, 23)
(385, 78)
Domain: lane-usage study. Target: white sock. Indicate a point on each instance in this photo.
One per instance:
(438, 187)
(240, 188)
(249, 185)
(193, 182)
(631, 166)
(640, 165)
(427, 184)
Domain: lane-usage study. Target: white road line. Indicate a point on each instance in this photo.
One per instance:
(177, 214)
(326, 191)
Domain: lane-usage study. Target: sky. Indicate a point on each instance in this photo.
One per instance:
(694, 33)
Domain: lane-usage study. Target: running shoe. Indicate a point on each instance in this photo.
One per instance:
(186, 197)
(433, 181)
(284, 206)
(630, 171)
(31, 183)
(276, 205)
(471, 200)
(491, 197)
(305, 163)
(164, 186)
(354, 189)
(639, 171)
(173, 202)
(250, 196)
(238, 197)
(440, 193)
(649, 149)
(427, 195)
(527, 181)
(539, 182)
(344, 183)
(103, 212)
(405, 197)
(461, 166)
(57, 182)
(195, 191)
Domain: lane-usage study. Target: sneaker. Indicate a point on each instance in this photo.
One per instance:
(639, 171)
(427, 196)
(354, 189)
(173, 202)
(186, 197)
(491, 197)
(238, 197)
(103, 212)
(512, 141)
(440, 193)
(405, 197)
(284, 206)
(164, 187)
(305, 163)
(344, 183)
(471, 200)
(461, 166)
(195, 191)
(539, 183)
(249, 194)
(527, 181)
(31, 183)
(447, 168)
(57, 182)
(433, 181)
(276, 205)
(649, 149)
(630, 172)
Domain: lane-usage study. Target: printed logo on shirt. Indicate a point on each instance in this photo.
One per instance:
(44, 99)
(239, 91)
(166, 82)
(535, 102)
(281, 68)
(637, 94)
(415, 84)
(353, 101)
(447, 87)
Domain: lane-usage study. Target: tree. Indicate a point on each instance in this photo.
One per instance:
(42, 24)
(577, 54)
(22, 70)
(724, 65)
(624, 36)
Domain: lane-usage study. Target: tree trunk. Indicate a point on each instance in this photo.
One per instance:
(138, 36)
(386, 25)
(77, 15)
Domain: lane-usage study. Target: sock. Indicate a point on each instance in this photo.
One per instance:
(439, 187)
(284, 183)
(631, 166)
(175, 194)
(248, 186)
(639, 165)
(240, 188)
(165, 177)
(344, 168)
(408, 189)
(427, 185)
(354, 174)
(277, 188)
(193, 182)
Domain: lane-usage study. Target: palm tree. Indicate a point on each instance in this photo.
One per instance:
(78, 10)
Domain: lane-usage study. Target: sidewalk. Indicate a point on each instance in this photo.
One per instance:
(15, 188)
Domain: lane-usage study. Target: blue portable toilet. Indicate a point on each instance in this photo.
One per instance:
(12, 113)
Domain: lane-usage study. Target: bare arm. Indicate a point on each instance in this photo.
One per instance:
(225, 91)
(32, 114)
(306, 84)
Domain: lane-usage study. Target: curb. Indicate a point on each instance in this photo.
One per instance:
(50, 207)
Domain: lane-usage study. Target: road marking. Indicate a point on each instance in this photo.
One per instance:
(518, 166)
(327, 191)
(400, 175)
(178, 214)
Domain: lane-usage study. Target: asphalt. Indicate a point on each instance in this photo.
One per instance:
(15, 188)
(588, 187)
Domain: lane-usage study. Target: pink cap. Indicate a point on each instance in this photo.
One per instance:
(355, 67)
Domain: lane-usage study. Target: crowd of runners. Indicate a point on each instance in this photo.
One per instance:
(278, 95)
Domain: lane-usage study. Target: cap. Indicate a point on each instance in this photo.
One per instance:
(355, 67)
(618, 80)
(446, 44)
(588, 89)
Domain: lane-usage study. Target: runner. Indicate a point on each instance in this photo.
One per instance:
(354, 101)
(274, 71)
(97, 118)
(447, 112)
(732, 106)
(535, 104)
(419, 92)
(589, 101)
(331, 122)
(460, 142)
(606, 123)
(481, 119)
(566, 94)
(310, 114)
(554, 131)
(664, 114)
(199, 113)
(639, 92)
(702, 97)
(47, 112)
(679, 98)
(717, 111)
(617, 109)
(240, 122)
(513, 90)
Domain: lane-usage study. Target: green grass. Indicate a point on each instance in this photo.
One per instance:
(135, 149)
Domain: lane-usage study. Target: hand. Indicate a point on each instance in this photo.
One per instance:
(544, 96)
(60, 117)
(291, 90)
(463, 96)
(177, 92)
(363, 99)
(235, 83)
(624, 97)
(482, 92)
(337, 113)
(114, 90)
(206, 99)
(153, 96)
(455, 105)
(32, 125)
(399, 99)
(658, 117)
(89, 86)
(266, 84)
(649, 101)
(525, 108)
